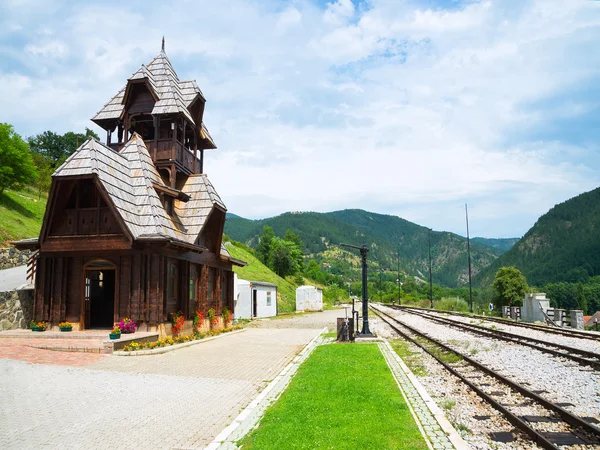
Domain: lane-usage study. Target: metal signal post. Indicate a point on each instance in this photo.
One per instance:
(363, 254)
(469, 256)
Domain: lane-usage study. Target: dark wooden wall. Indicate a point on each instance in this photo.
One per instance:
(140, 288)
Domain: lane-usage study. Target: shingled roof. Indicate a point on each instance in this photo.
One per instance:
(173, 96)
(129, 178)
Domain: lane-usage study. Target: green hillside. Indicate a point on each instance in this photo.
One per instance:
(257, 271)
(385, 235)
(21, 215)
(563, 245)
(499, 246)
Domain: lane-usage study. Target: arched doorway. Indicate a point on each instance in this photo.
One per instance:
(99, 294)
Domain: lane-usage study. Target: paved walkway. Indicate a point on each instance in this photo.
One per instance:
(176, 400)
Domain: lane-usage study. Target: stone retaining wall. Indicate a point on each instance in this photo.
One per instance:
(11, 257)
(16, 309)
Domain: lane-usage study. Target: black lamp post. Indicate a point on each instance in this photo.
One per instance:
(363, 256)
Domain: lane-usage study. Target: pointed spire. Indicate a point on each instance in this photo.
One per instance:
(163, 45)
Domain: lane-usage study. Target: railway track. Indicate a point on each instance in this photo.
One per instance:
(577, 334)
(547, 424)
(582, 357)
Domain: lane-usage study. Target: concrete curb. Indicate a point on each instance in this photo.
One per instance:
(451, 433)
(171, 348)
(252, 414)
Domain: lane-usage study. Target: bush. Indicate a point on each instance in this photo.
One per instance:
(451, 304)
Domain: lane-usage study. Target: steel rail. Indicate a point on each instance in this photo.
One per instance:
(538, 344)
(578, 334)
(537, 437)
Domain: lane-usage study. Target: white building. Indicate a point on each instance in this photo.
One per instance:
(534, 307)
(309, 298)
(253, 299)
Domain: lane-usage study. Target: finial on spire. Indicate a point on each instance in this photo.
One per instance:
(163, 45)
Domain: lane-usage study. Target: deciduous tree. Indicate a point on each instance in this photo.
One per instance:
(16, 165)
(511, 286)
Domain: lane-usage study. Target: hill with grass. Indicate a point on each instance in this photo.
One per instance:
(21, 215)
(257, 271)
(389, 238)
(562, 246)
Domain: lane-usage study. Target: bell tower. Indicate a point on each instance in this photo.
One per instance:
(167, 113)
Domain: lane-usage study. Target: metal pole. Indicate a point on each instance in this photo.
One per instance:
(365, 291)
(363, 254)
(430, 278)
(469, 256)
(398, 279)
(380, 285)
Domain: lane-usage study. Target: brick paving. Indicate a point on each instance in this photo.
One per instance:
(25, 350)
(176, 400)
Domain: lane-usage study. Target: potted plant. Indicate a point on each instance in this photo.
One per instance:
(38, 326)
(115, 332)
(177, 321)
(65, 326)
(227, 316)
(212, 317)
(127, 326)
(198, 322)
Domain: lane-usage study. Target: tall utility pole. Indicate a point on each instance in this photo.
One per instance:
(430, 279)
(380, 285)
(398, 279)
(363, 256)
(469, 256)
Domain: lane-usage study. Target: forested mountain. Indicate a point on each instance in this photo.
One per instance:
(499, 246)
(563, 245)
(387, 237)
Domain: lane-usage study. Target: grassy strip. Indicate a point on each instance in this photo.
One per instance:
(343, 397)
(410, 358)
(21, 214)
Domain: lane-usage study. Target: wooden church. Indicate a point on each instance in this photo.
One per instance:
(133, 227)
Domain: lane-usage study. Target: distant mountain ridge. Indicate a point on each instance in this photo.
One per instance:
(563, 245)
(387, 237)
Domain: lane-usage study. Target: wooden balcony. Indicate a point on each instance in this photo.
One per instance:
(168, 150)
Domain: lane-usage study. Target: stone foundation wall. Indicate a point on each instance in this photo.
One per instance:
(11, 257)
(16, 309)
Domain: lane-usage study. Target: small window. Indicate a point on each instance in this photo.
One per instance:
(172, 280)
(193, 283)
(268, 298)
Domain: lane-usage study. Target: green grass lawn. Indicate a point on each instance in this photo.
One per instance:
(343, 397)
(21, 215)
(257, 271)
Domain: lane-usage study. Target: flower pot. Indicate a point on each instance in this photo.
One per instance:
(114, 335)
(67, 329)
(38, 329)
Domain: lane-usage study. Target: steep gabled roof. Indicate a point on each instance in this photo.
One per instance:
(174, 96)
(203, 197)
(129, 178)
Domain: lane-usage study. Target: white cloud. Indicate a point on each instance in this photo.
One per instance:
(395, 108)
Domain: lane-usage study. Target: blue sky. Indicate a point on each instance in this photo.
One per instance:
(411, 108)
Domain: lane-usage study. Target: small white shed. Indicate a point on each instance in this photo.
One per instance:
(254, 299)
(309, 298)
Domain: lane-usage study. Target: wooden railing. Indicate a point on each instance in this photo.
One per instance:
(31, 265)
(166, 149)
